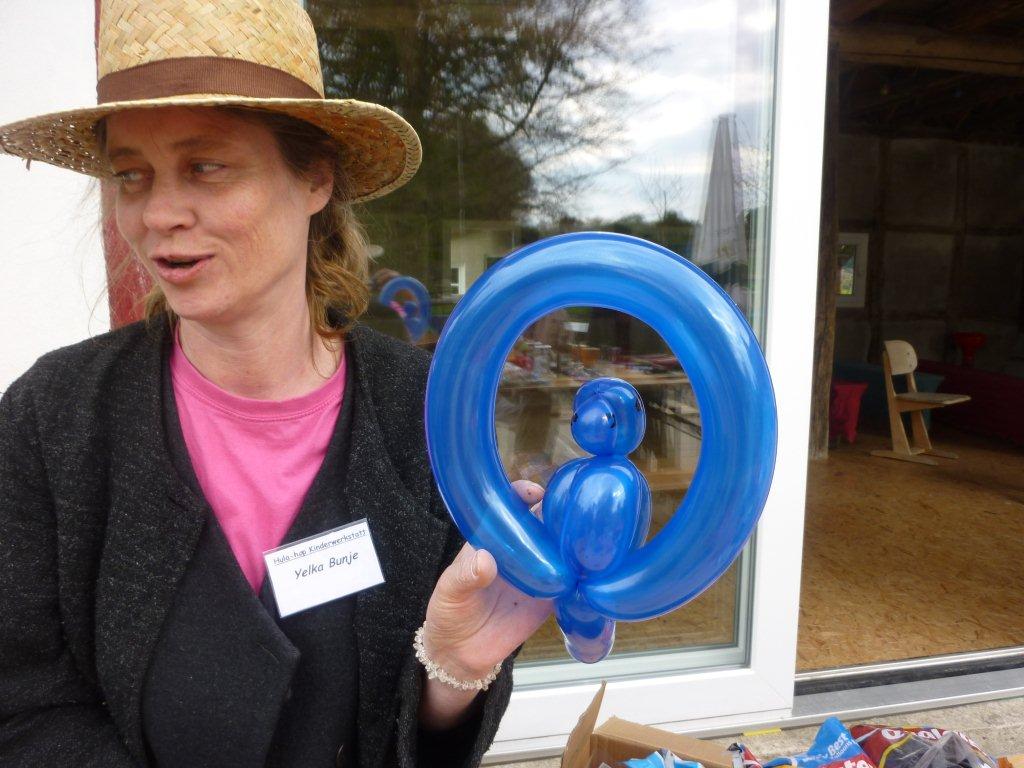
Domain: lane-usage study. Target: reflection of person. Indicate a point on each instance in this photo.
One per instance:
(398, 308)
(380, 317)
(143, 473)
(550, 330)
(381, 277)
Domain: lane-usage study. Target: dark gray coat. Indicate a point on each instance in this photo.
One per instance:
(97, 529)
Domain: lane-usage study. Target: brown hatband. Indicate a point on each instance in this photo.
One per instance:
(185, 76)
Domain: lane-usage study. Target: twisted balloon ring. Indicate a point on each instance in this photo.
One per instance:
(712, 340)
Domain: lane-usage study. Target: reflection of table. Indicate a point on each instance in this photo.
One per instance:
(676, 414)
(537, 416)
(660, 406)
(638, 380)
(670, 479)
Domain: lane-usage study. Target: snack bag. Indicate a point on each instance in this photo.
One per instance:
(660, 759)
(833, 747)
(920, 747)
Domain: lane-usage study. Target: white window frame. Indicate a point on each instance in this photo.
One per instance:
(539, 719)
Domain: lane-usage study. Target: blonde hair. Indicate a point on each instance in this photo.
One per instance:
(337, 261)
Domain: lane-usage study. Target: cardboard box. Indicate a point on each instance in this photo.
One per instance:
(618, 739)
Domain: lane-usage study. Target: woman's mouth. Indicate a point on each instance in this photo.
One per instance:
(180, 269)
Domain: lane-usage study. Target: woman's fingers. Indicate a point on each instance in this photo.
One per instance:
(472, 570)
(486, 567)
(529, 492)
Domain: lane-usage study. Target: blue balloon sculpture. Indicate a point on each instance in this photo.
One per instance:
(415, 314)
(598, 509)
(589, 553)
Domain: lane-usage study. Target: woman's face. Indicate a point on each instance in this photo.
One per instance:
(212, 210)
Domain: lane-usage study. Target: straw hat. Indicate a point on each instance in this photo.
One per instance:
(248, 53)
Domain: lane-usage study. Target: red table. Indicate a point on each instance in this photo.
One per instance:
(844, 408)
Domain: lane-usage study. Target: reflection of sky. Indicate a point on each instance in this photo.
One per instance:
(713, 59)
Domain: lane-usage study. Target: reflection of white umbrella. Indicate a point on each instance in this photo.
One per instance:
(722, 244)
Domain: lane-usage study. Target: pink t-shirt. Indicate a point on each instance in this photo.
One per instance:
(254, 459)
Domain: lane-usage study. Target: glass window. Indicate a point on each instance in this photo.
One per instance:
(538, 117)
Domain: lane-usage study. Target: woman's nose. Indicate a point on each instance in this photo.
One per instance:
(168, 206)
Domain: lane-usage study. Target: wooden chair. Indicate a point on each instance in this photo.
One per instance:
(899, 359)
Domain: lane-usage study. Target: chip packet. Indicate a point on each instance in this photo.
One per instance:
(833, 747)
(920, 747)
(663, 758)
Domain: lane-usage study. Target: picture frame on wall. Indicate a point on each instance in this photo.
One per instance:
(852, 254)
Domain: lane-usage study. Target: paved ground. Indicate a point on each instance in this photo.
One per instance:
(998, 726)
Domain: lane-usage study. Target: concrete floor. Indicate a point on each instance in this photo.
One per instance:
(998, 726)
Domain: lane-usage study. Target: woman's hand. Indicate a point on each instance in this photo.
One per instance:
(474, 620)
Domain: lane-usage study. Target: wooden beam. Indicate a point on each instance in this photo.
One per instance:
(980, 95)
(876, 256)
(846, 11)
(934, 101)
(960, 267)
(1021, 322)
(927, 48)
(970, 17)
(984, 135)
(828, 273)
(900, 91)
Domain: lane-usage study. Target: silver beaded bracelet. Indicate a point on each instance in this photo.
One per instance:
(436, 672)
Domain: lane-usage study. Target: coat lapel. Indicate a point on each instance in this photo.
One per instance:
(409, 541)
(154, 522)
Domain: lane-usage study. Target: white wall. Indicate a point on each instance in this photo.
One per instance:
(51, 256)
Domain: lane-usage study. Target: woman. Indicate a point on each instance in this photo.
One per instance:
(145, 472)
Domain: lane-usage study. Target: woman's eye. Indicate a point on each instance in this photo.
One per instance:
(129, 178)
(203, 168)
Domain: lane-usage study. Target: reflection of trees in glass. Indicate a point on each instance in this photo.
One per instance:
(670, 230)
(755, 176)
(501, 94)
(665, 193)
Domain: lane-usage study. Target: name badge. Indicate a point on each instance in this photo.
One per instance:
(321, 568)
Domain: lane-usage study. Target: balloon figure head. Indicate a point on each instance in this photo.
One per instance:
(608, 417)
(598, 508)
